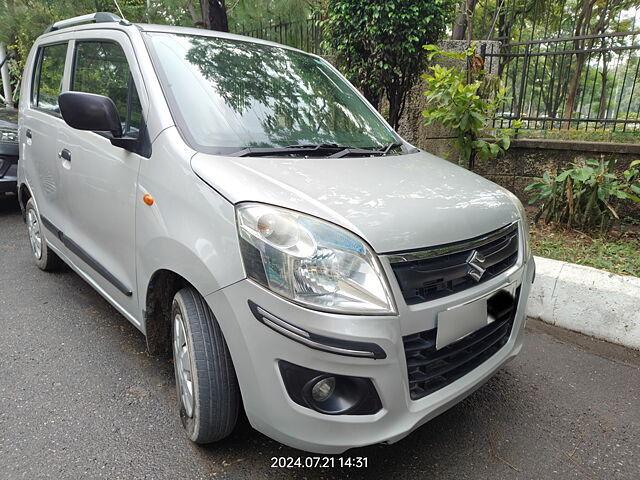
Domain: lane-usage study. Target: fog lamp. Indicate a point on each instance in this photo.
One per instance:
(323, 389)
(330, 393)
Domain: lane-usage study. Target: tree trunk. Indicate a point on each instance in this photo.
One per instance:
(460, 23)
(467, 8)
(504, 35)
(394, 99)
(214, 15)
(582, 28)
(602, 107)
(192, 12)
(573, 89)
(6, 80)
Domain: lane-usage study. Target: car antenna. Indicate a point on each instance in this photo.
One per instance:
(118, 7)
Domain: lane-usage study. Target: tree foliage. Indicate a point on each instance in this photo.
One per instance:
(249, 14)
(379, 44)
(24, 20)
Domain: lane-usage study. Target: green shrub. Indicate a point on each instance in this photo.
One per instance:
(465, 107)
(585, 196)
(378, 44)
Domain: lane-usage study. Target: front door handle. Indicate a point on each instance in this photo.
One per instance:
(65, 155)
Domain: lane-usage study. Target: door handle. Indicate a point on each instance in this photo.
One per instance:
(28, 133)
(65, 155)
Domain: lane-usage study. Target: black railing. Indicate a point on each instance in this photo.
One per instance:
(303, 34)
(587, 83)
(575, 83)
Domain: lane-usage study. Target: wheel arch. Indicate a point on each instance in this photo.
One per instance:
(24, 194)
(162, 287)
(165, 265)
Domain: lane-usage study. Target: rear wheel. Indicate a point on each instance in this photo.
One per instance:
(44, 257)
(208, 394)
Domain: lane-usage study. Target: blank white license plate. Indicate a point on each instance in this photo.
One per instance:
(460, 321)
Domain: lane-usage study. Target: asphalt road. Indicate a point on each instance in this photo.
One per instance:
(80, 398)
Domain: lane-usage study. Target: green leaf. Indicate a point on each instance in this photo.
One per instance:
(620, 194)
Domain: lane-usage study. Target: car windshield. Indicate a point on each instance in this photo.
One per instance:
(229, 95)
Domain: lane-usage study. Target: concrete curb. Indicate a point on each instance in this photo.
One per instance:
(587, 300)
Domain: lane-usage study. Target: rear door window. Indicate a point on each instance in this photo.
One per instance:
(48, 78)
(101, 67)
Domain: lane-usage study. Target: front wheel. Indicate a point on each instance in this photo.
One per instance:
(208, 393)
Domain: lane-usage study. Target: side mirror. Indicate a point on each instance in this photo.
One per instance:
(88, 111)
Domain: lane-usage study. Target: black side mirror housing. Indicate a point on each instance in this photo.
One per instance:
(88, 111)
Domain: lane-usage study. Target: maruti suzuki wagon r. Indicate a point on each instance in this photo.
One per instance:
(248, 211)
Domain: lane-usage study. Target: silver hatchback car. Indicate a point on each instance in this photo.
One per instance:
(244, 207)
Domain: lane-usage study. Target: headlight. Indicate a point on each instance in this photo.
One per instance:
(524, 223)
(310, 261)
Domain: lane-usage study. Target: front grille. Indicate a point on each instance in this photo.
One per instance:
(430, 370)
(443, 270)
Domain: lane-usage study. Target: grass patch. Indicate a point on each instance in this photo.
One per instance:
(616, 252)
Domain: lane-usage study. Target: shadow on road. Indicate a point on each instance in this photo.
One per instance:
(9, 205)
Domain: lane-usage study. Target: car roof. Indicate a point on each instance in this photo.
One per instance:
(125, 25)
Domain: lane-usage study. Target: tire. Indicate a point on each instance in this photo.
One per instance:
(44, 257)
(209, 403)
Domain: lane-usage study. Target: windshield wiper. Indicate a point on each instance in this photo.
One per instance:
(386, 148)
(311, 148)
(365, 151)
(336, 150)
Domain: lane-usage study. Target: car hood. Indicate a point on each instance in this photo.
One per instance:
(395, 203)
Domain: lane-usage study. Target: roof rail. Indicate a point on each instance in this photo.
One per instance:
(98, 17)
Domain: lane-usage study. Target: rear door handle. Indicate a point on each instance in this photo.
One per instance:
(65, 155)
(28, 133)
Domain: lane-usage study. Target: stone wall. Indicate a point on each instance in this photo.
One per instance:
(528, 158)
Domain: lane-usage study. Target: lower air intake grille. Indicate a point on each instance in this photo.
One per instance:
(430, 369)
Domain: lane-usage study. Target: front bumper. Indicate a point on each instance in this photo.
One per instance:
(8, 173)
(256, 350)
(9, 183)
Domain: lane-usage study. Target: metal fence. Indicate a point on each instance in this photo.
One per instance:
(515, 21)
(567, 70)
(558, 81)
(587, 83)
(303, 34)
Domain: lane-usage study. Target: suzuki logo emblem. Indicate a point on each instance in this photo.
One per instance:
(476, 265)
